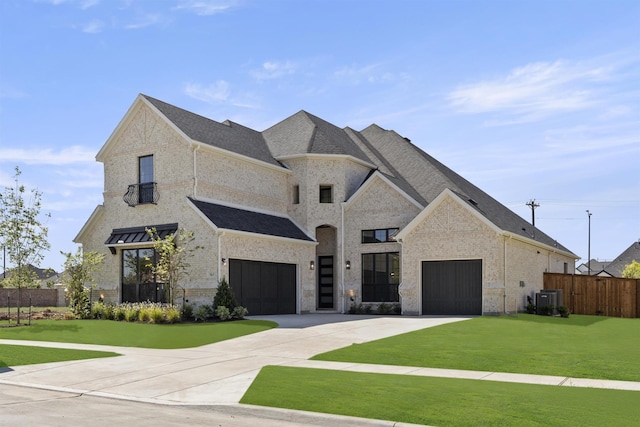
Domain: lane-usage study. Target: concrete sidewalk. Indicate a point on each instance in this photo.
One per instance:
(220, 373)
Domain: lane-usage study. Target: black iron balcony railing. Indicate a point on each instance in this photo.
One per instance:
(140, 194)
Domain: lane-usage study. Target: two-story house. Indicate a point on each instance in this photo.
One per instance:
(307, 217)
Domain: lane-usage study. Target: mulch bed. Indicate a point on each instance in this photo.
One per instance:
(36, 314)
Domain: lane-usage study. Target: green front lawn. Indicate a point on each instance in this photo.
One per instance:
(441, 401)
(107, 332)
(14, 355)
(578, 346)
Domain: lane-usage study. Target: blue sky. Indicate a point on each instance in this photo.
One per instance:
(526, 99)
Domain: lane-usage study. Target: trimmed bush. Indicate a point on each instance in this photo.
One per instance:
(239, 312)
(223, 313)
(224, 296)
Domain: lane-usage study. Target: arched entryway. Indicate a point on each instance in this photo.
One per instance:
(326, 262)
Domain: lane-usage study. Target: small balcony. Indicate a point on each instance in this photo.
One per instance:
(142, 194)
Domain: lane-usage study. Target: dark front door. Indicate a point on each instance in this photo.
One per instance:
(452, 287)
(263, 287)
(325, 282)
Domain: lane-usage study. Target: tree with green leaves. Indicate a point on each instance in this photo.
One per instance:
(632, 270)
(78, 272)
(172, 259)
(22, 233)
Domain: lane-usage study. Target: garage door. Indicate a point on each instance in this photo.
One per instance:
(264, 287)
(452, 287)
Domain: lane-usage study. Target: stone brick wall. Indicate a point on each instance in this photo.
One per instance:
(35, 297)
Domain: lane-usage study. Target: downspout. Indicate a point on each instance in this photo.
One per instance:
(195, 171)
(342, 264)
(220, 235)
(401, 282)
(505, 275)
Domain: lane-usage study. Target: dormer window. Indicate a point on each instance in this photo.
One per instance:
(326, 194)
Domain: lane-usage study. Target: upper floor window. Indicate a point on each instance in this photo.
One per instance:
(378, 236)
(326, 194)
(145, 169)
(296, 194)
(145, 179)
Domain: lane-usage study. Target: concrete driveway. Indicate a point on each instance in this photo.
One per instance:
(214, 374)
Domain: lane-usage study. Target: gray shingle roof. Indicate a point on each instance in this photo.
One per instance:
(229, 218)
(304, 133)
(616, 267)
(407, 166)
(429, 178)
(228, 135)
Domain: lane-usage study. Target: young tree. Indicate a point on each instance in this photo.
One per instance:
(632, 270)
(172, 265)
(22, 233)
(78, 270)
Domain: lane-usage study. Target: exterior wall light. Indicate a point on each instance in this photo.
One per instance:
(224, 261)
(352, 294)
(348, 265)
(312, 265)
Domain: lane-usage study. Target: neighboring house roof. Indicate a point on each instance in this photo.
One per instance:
(231, 218)
(596, 267)
(616, 267)
(40, 273)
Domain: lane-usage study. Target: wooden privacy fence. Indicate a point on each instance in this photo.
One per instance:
(596, 295)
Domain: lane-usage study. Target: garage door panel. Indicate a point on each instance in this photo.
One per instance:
(264, 287)
(269, 288)
(452, 287)
(287, 288)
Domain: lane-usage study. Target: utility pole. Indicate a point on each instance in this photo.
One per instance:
(533, 205)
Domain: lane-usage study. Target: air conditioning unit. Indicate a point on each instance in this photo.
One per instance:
(548, 297)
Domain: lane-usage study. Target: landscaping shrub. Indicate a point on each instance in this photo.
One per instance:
(144, 315)
(239, 312)
(223, 313)
(224, 296)
(119, 312)
(202, 313)
(156, 314)
(131, 312)
(563, 311)
(98, 310)
(172, 314)
(186, 311)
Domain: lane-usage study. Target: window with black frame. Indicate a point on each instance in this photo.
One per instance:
(138, 281)
(145, 179)
(381, 235)
(380, 277)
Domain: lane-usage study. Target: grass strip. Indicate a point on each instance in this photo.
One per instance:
(440, 401)
(14, 355)
(108, 332)
(580, 347)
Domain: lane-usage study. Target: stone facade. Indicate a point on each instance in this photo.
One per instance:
(363, 197)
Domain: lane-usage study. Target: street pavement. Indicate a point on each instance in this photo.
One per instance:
(212, 379)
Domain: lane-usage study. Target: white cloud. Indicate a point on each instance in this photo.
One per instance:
(371, 73)
(534, 91)
(203, 7)
(275, 69)
(144, 21)
(214, 92)
(47, 156)
(92, 27)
